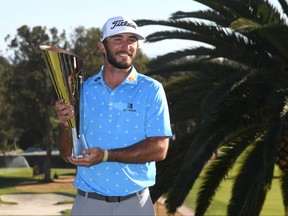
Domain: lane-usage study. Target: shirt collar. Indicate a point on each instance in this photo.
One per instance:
(98, 78)
(131, 78)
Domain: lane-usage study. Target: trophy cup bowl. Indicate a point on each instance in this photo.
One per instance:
(65, 69)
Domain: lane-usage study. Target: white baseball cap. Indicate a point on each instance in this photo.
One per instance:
(118, 25)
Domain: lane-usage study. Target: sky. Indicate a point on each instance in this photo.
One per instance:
(69, 14)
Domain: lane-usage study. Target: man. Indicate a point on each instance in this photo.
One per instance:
(126, 125)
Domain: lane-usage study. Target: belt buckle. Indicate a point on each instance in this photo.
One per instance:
(113, 199)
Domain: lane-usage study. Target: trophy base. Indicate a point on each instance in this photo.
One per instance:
(79, 144)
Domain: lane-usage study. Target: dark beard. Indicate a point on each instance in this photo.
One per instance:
(112, 60)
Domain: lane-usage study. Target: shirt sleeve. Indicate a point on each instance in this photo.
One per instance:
(157, 122)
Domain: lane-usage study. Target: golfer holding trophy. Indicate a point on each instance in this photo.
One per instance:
(126, 126)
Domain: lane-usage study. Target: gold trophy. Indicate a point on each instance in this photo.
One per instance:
(65, 69)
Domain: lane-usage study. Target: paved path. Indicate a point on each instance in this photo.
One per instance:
(46, 204)
(34, 204)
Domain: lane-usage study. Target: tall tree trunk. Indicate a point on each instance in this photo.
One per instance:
(47, 165)
(15, 143)
(47, 141)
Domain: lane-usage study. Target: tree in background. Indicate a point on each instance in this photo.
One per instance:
(27, 95)
(231, 96)
(29, 92)
(6, 129)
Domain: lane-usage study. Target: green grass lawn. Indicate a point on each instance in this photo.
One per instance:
(10, 177)
(273, 205)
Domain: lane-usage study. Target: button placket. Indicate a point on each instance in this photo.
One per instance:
(110, 106)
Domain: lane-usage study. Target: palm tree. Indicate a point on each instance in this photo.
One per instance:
(231, 96)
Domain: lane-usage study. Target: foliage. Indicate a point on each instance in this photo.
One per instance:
(232, 98)
(218, 205)
(27, 95)
(28, 85)
(85, 45)
(6, 129)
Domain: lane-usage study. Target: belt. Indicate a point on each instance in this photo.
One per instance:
(97, 196)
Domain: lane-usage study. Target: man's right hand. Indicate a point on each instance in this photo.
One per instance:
(64, 111)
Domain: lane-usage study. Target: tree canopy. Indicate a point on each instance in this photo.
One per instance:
(231, 98)
(27, 94)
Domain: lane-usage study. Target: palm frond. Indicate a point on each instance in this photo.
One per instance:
(248, 197)
(259, 11)
(219, 93)
(241, 202)
(284, 6)
(231, 94)
(275, 39)
(218, 169)
(208, 15)
(201, 148)
(284, 191)
(168, 169)
(174, 57)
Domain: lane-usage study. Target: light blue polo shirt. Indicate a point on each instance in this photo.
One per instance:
(119, 118)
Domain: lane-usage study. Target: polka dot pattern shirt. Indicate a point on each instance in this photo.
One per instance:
(119, 118)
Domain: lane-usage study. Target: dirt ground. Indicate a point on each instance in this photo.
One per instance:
(64, 183)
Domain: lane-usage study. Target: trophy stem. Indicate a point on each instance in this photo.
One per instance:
(79, 144)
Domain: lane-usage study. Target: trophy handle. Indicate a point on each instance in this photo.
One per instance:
(65, 69)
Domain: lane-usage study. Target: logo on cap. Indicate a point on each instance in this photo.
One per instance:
(118, 23)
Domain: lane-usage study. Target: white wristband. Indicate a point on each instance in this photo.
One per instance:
(105, 156)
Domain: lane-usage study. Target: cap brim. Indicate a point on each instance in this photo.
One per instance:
(139, 37)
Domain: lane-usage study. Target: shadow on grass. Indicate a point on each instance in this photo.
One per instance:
(8, 186)
(6, 182)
